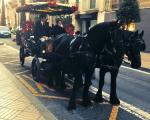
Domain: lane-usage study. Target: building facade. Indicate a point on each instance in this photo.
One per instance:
(92, 12)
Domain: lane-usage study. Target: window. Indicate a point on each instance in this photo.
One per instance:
(112, 4)
(92, 4)
(115, 4)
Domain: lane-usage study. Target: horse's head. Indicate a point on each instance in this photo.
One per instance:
(133, 46)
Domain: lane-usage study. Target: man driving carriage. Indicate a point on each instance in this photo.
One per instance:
(41, 28)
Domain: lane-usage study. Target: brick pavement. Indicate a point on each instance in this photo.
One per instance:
(14, 105)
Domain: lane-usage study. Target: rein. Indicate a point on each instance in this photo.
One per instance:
(111, 51)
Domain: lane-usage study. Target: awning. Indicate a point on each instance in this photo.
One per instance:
(50, 8)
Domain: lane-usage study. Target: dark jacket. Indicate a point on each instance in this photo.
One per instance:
(57, 30)
(41, 30)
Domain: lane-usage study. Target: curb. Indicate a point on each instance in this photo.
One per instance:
(42, 109)
(127, 63)
(1, 43)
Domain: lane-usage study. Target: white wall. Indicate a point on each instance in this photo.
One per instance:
(145, 25)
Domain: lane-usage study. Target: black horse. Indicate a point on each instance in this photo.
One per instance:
(111, 59)
(110, 48)
(82, 58)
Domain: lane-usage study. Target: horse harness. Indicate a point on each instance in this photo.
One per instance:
(111, 52)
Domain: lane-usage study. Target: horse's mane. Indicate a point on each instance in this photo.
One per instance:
(99, 35)
(61, 44)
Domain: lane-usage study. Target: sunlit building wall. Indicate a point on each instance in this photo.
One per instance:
(92, 12)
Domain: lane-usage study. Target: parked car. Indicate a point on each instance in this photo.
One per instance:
(5, 32)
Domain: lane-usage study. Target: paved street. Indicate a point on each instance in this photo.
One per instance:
(133, 90)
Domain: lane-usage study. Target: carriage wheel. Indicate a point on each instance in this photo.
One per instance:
(35, 69)
(22, 56)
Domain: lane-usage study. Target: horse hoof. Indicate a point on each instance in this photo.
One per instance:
(115, 101)
(98, 100)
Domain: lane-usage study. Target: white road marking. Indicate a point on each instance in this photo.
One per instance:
(22, 72)
(126, 106)
(147, 73)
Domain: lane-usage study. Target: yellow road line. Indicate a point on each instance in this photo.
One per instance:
(45, 86)
(51, 97)
(39, 85)
(114, 113)
(27, 85)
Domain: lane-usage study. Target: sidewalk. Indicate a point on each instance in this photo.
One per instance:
(14, 104)
(145, 57)
(1, 43)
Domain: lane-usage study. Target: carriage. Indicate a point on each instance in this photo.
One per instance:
(108, 50)
(28, 45)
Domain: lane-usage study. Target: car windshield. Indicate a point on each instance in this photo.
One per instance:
(4, 28)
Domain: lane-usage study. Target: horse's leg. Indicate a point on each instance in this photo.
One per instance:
(50, 80)
(113, 94)
(80, 81)
(86, 98)
(62, 82)
(99, 98)
(72, 101)
(58, 80)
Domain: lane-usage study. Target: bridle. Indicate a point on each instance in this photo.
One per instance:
(112, 53)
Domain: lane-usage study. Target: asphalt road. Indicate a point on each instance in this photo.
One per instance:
(132, 86)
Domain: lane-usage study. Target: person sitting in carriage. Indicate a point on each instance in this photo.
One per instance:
(58, 28)
(70, 29)
(41, 28)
